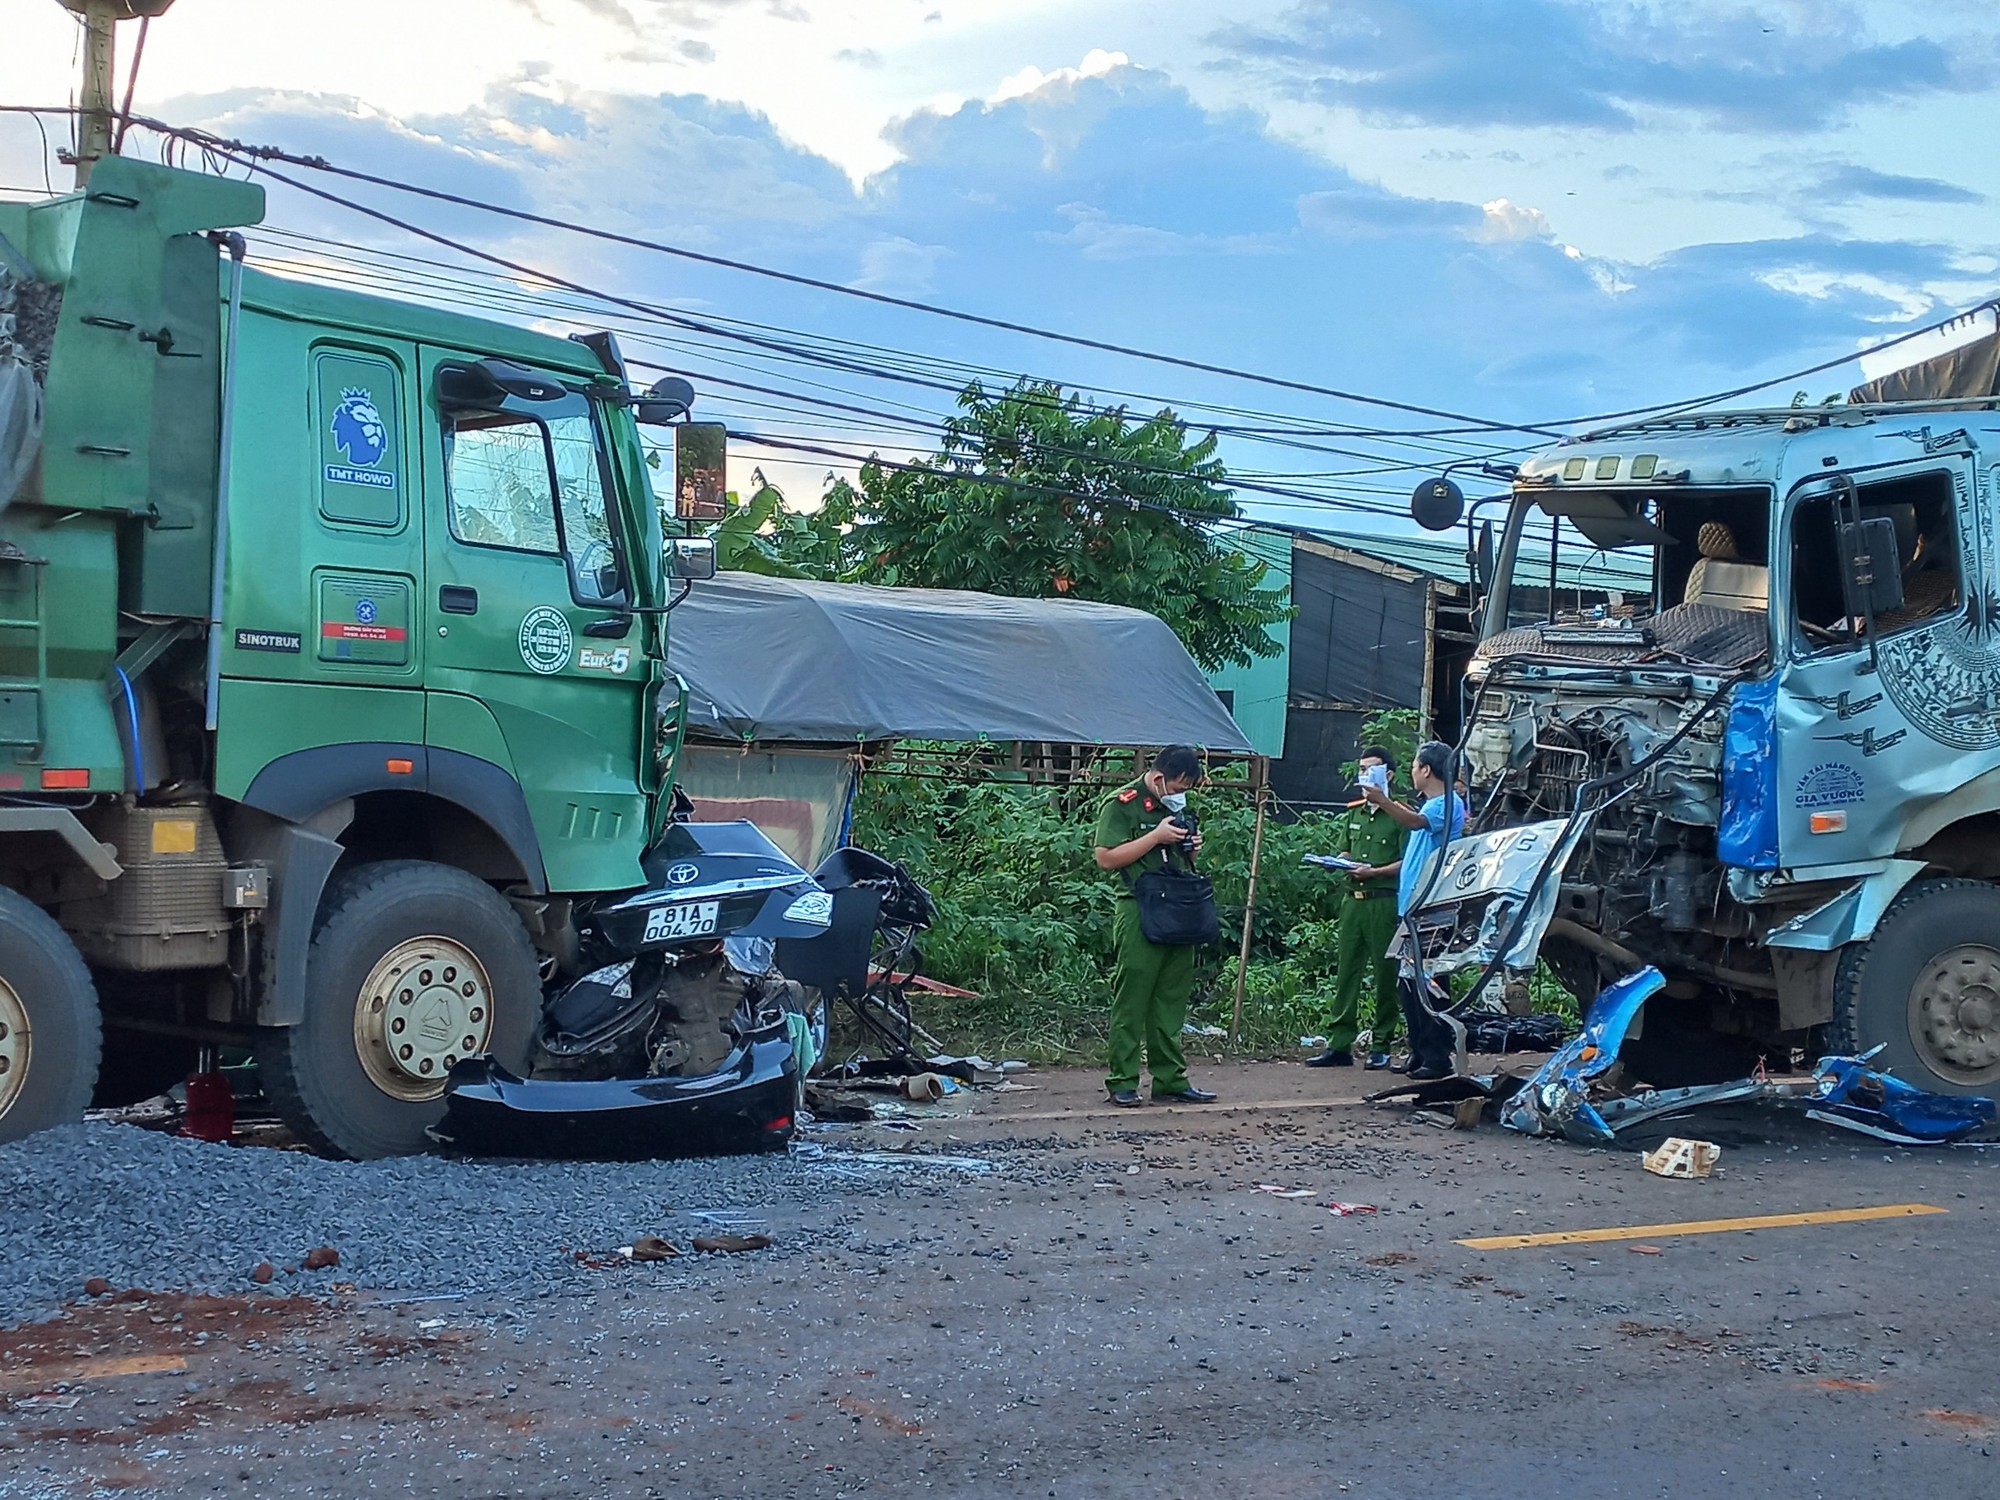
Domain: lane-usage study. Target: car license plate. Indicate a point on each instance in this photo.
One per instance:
(690, 919)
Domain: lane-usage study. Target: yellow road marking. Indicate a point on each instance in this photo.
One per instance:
(36, 1376)
(1702, 1226)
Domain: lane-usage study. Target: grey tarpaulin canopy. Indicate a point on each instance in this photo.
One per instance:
(781, 659)
(1970, 370)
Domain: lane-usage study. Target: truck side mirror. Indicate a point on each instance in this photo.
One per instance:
(667, 399)
(1873, 563)
(1436, 504)
(691, 557)
(701, 470)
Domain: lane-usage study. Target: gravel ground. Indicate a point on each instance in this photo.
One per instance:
(1115, 1311)
(141, 1208)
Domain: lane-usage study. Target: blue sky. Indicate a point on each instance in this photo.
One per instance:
(1524, 209)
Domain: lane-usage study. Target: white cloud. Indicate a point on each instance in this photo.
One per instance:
(898, 265)
(1875, 364)
(1505, 223)
(1906, 302)
(1032, 80)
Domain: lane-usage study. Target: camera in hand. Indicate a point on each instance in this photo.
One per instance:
(1188, 825)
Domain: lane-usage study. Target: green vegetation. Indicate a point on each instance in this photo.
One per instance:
(1024, 915)
(1033, 494)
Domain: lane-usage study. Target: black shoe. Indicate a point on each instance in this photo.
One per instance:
(1430, 1072)
(1188, 1095)
(1333, 1057)
(1124, 1098)
(1377, 1061)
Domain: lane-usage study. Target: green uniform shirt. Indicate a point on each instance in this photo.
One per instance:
(1121, 818)
(1373, 837)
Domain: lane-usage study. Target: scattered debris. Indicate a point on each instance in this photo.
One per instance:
(1466, 1113)
(1581, 1093)
(1542, 1032)
(1346, 1209)
(881, 1416)
(729, 1244)
(650, 1247)
(321, 1259)
(1644, 1249)
(97, 1286)
(1277, 1191)
(1188, 1028)
(1678, 1156)
(262, 1272)
(929, 1087)
(914, 1159)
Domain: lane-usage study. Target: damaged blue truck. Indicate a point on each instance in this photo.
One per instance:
(1777, 779)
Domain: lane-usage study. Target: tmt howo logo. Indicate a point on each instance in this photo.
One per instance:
(360, 433)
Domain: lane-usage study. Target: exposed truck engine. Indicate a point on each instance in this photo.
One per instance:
(1776, 776)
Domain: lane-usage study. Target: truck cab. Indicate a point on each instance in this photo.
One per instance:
(332, 665)
(1776, 777)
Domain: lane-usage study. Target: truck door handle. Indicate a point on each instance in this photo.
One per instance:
(457, 599)
(613, 627)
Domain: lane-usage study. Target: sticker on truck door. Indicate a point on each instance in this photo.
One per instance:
(545, 640)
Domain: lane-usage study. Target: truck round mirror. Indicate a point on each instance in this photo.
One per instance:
(1436, 504)
(667, 399)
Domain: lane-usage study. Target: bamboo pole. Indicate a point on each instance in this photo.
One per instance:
(1249, 903)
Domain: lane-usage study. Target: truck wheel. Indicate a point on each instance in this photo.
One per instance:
(49, 1032)
(413, 966)
(1928, 984)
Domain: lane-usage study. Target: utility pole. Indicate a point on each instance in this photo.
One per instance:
(96, 97)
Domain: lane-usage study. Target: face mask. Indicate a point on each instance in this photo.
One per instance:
(1173, 801)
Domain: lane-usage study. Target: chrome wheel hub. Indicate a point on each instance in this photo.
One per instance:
(1955, 1014)
(16, 1042)
(424, 1006)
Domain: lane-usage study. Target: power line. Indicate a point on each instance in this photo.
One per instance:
(256, 158)
(259, 157)
(1433, 452)
(1251, 485)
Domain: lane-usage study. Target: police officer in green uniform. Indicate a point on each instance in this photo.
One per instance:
(1150, 989)
(1367, 926)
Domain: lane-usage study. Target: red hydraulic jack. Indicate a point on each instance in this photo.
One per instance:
(211, 1104)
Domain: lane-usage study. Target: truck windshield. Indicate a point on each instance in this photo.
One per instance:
(1682, 574)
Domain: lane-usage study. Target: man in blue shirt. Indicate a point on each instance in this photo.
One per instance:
(1436, 821)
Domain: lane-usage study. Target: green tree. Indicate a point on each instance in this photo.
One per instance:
(1035, 494)
(765, 535)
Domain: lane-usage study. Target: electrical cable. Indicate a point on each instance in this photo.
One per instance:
(255, 157)
(944, 366)
(259, 158)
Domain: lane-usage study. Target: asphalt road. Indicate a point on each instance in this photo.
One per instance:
(1139, 1319)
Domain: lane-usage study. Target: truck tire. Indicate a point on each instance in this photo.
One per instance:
(1927, 984)
(50, 1036)
(413, 966)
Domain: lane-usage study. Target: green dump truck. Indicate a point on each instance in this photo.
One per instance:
(332, 634)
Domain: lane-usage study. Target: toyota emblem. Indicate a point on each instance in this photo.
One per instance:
(682, 874)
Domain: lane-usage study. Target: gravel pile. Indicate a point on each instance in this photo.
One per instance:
(140, 1208)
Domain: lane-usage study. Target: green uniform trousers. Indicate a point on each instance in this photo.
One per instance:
(1149, 1001)
(1361, 946)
